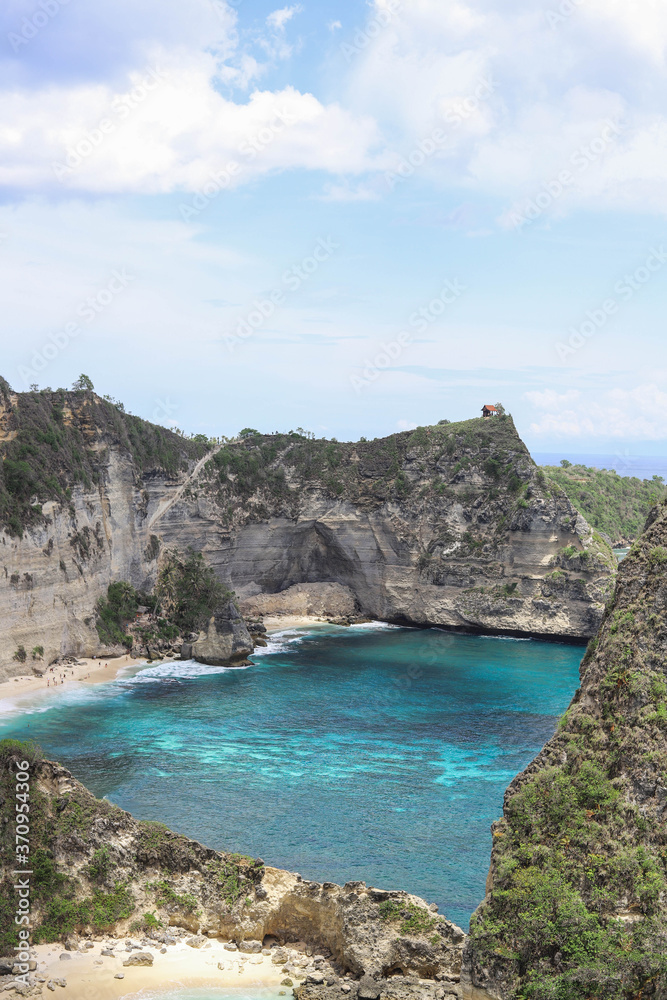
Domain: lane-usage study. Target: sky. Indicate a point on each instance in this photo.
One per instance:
(353, 217)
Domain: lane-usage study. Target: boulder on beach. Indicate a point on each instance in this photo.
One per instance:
(139, 958)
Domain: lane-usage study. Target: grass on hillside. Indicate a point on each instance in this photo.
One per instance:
(617, 505)
(53, 441)
(258, 462)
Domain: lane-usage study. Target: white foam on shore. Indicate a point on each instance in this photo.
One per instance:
(175, 670)
(44, 699)
(280, 642)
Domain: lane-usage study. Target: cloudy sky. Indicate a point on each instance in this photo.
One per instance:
(351, 217)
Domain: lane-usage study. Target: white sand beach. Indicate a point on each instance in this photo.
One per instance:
(60, 676)
(90, 973)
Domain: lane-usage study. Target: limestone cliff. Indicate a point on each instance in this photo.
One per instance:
(576, 902)
(78, 482)
(96, 869)
(451, 525)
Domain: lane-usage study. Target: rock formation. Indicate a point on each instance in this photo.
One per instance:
(226, 641)
(97, 869)
(576, 902)
(451, 525)
(324, 600)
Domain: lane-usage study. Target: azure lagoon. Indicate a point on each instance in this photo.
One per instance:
(373, 753)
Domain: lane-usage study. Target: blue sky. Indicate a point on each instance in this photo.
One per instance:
(353, 217)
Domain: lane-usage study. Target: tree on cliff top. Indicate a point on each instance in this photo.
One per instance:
(83, 384)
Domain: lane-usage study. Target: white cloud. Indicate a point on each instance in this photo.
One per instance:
(554, 88)
(622, 414)
(170, 130)
(279, 18)
(334, 25)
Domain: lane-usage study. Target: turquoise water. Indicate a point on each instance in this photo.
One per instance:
(373, 753)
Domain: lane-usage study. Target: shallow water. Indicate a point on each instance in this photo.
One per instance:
(371, 753)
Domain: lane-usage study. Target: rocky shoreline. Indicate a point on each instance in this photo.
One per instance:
(116, 876)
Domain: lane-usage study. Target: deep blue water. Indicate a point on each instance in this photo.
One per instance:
(374, 753)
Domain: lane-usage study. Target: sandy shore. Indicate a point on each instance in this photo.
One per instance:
(91, 974)
(279, 623)
(104, 669)
(86, 671)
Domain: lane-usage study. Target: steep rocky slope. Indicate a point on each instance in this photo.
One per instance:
(96, 869)
(451, 525)
(576, 901)
(77, 481)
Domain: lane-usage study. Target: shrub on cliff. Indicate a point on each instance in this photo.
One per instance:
(189, 591)
(577, 901)
(115, 612)
(52, 444)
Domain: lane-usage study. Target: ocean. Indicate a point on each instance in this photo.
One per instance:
(374, 753)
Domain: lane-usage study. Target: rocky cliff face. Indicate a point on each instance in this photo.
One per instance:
(79, 481)
(450, 525)
(97, 869)
(576, 902)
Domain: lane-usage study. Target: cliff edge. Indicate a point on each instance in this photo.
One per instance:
(576, 902)
(451, 525)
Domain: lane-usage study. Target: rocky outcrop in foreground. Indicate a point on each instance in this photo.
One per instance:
(576, 902)
(97, 869)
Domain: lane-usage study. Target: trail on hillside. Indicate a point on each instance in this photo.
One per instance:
(168, 504)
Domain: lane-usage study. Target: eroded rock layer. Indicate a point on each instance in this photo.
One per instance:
(451, 525)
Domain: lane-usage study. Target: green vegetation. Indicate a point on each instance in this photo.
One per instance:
(119, 609)
(149, 922)
(52, 444)
(100, 865)
(578, 906)
(617, 505)
(189, 591)
(19, 750)
(20, 655)
(115, 612)
(229, 876)
(63, 902)
(63, 913)
(167, 895)
(412, 918)
(259, 468)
